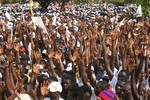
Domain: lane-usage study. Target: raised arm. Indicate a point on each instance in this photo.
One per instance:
(106, 61)
(50, 62)
(133, 86)
(83, 72)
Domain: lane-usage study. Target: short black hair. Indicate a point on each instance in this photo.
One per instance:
(30, 85)
(69, 75)
(77, 93)
(87, 89)
(127, 75)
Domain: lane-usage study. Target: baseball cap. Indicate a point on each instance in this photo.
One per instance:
(23, 97)
(55, 87)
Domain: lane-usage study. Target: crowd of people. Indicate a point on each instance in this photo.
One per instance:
(99, 52)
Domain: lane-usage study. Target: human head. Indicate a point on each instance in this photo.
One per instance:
(55, 89)
(43, 62)
(68, 80)
(126, 92)
(107, 94)
(76, 93)
(123, 75)
(28, 87)
(24, 97)
(100, 86)
(87, 92)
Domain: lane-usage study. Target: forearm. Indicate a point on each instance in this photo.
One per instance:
(107, 66)
(12, 79)
(12, 97)
(42, 97)
(51, 68)
(140, 89)
(14, 73)
(61, 65)
(83, 74)
(87, 54)
(139, 69)
(8, 82)
(117, 61)
(17, 57)
(113, 54)
(124, 60)
(147, 66)
(133, 86)
(91, 75)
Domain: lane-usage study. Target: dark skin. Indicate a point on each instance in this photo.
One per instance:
(125, 47)
(126, 92)
(123, 76)
(67, 85)
(107, 64)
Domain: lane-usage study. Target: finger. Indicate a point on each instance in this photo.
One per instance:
(32, 91)
(44, 83)
(41, 85)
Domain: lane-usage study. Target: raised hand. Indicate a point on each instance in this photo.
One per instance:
(74, 56)
(57, 55)
(37, 55)
(35, 89)
(114, 34)
(44, 88)
(131, 42)
(9, 46)
(143, 76)
(137, 52)
(35, 69)
(17, 47)
(11, 56)
(32, 46)
(51, 53)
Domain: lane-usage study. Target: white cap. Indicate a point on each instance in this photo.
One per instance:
(69, 67)
(23, 97)
(44, 51)
(45, 73)
(55, 87)
(39, 66)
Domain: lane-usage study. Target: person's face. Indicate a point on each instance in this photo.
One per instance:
(28, 88)
(67, 84)
(126, 92)
(101, 66)
(119, 86)
(86, 96)
(43, 64)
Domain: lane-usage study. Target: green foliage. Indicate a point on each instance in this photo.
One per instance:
(10, 1)
(145, 6)
(145, 3)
